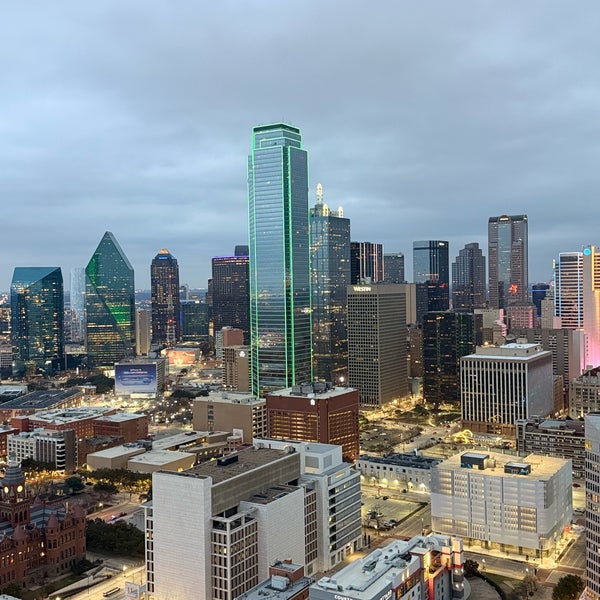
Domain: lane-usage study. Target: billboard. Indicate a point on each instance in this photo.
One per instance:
(138, 378)
(180, 357)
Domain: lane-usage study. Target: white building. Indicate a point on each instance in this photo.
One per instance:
(491, 499)
(500, 384)
(584, 393)
(592, 493)
(223, 523)
(423, 568)
(397, 471)
(58, 448)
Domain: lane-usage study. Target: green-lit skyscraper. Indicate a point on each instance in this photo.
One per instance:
(280, 320)
(110, 304)
(37, 315)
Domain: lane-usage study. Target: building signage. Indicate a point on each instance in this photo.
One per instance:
(361, 288)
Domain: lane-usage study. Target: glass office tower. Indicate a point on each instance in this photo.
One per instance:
(468, 279)
(280, 303)
(110, 304)
(164, 286)
(431, 266)
(37, 316)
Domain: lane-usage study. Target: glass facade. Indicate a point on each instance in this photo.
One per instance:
(280, 302)
(366, 262)
(330, 275)
(195, 321)
(37, 315)
(110, 304)
(431, 266)
(164, 284)
(468, 278)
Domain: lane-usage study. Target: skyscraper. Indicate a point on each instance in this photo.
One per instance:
(508, 260)
(591, 303)
(77, 305)
(110, 304)
(280, 300)
(366, 262)
(164, 285)
(231, 293)
(538, 294)
(568, 289)
(431, 266)
(393, 267)
(330, 274)
(37, 312)
(468, 278)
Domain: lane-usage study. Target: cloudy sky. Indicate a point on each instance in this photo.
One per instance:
(421, 119)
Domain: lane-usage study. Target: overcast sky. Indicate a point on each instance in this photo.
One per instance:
(422, 119)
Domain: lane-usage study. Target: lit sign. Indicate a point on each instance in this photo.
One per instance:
(587, 251)
(361, 288)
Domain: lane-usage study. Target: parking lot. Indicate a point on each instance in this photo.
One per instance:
(383, 511)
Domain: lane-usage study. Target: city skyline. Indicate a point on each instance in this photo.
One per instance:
(422, 128)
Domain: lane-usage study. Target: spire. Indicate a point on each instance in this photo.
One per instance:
(319, 193)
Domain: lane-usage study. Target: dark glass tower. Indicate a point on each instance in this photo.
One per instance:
(393, 266)
(330, 268)
(508, 260)
(446, 337)
(164, 285)
(280, 322)
(431, 265)
(366, 262)
(110, 304)
(468, 279)
(37, 315)
(538, 293)
(231, 293)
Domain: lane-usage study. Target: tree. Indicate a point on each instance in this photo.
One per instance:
(75, 484)
(568, 587)
(471, 567)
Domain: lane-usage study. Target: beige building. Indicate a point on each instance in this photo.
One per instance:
(161, 460)
(236, 368)
(229, 411)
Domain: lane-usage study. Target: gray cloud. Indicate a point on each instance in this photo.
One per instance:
(422, 121)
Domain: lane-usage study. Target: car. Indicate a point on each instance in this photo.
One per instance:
(386, 497)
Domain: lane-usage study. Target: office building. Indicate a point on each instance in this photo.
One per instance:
(500, 385)
(508, 258)
(56, 448)
(77, 305)
(521, 505)
(38, 540)
(521, 316)
(568, 289)
(286, 582)
(110, 304)
(366, 262)
(235, 367)
(231, 293)
(330, 275)
(538, 294)
(228, 336)
(422, 568)
(315, 412)
(584, 394)
(468, 279)
(592, 501)
(393, 268)
(591, 303)
(164, 288)
(447, 336)
(280, 299)
(232, 412)
(563, 438)
(221, 522)
(409, 472)
(494, 325)
(377, 361)
(195, 321)
(431, 275)
(415, 349)
(37, 317)
(143, 332)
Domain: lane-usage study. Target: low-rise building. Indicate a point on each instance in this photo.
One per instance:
(422, 568)
(563, 438)
(5, 431)
(41, 400)
(286, 582)
(496, 501)
(129, 426)
(57, 448)
(584, 394)
(397, 471)
(156, 460)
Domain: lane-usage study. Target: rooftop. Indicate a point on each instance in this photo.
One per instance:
(230, 398)
(316, 389)
(117, 451)
(276, 587)
(403, 460)
(121, 417)
(184, 439)
(41, 399)
(70, 415)
(160, 457)
(513, 352)
(272, 493)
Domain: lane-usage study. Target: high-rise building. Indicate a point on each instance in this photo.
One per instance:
(110, 304)
(431, 276)
(508, 260)
(568, 289)
(366, 262)
(280, 299)
(592, 501)
(231, 293)
(393, 268)
(468, 278)
(316, 412)
(500, 385)
(330, 275)
(143, 332)
(538, 294)
(591, 303)
(377, 350)
(164, 284)
(195, 321)
(447, 336)
(77, 305)
(37, 316)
